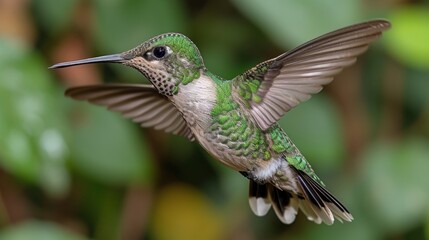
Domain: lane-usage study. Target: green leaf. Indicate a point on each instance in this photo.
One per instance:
(408, 39)
(107, 147)
(396, 183)
(38, 230)
(315, 128)
(33, 143)
(291, 22)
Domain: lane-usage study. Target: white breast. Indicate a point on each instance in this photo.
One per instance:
(196, 100)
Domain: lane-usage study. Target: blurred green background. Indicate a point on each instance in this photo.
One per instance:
(69, 170)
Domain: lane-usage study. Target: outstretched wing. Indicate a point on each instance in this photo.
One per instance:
(142, 103)
(272, 88)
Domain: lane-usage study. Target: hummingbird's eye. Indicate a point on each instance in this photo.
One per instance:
(159, 52)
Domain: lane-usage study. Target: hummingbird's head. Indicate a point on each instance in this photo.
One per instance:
(167, 60)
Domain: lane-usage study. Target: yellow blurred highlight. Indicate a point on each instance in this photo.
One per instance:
(183, 213)
(408, 40)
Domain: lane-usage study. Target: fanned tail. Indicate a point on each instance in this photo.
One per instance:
(262, 196)
(312, 199)
(317, 203)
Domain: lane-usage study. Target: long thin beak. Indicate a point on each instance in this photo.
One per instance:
(114, 58)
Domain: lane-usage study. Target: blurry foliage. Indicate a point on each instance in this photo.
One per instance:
(37, 230)
(32, 126)
(279, 18)
(132, 22)
(408, 41)
(171, 212)
(73, 171)
(53, 16)
(118, 155)
(329, 148)
(397, 169)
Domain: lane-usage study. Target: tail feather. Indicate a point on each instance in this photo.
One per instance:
(311, 198)
(262, 196)
(285, 204)
(308, 210)
(317, 204)
(331, 203)
(258, 198)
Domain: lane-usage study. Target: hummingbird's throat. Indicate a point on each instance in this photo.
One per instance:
(163, 82)
(166, 75)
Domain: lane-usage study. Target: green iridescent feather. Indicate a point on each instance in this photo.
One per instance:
(248, 83)
(282, 144)
(230, 123)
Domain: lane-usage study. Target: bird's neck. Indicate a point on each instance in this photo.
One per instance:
(197, 98)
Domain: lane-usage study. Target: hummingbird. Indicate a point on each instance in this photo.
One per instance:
(235, 120)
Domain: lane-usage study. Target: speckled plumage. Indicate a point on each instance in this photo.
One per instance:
(236, 120)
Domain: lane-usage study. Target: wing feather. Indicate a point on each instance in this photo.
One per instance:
(141, 103)
(294, 76)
